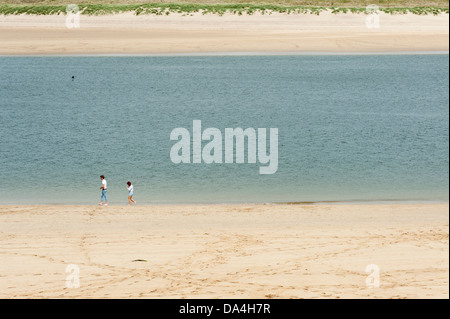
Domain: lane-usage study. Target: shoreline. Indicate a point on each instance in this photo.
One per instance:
(229, 251)
(128, 34)
(237, 204)
(229, 54)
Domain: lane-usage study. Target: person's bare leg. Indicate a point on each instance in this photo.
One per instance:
(129, 200)
(134, 201)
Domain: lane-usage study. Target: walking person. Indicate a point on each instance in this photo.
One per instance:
(130, 193)
(104, 187)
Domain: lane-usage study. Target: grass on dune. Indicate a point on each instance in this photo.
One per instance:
(189, 8)
(288, 3)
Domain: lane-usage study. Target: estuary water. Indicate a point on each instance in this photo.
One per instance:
(350, 128)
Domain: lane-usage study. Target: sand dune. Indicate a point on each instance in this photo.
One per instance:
(129, 34)
(225, 251)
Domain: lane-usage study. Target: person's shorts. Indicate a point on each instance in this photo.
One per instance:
(130, 194)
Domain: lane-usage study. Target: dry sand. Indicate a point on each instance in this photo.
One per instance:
(225, 251)
(297, 33)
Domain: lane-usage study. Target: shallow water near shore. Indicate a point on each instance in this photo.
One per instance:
(351, 128)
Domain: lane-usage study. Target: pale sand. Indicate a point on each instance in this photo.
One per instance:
(225, 251)
(297, 33)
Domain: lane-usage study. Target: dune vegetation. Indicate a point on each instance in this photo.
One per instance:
(220, 7)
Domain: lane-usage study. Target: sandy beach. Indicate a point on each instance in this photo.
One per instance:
(225, 251)
(126, 33)
(269, 251)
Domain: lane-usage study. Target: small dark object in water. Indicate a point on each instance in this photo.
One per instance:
(73, 77)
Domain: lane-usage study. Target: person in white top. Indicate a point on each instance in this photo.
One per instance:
(130, 193)
(104, 187)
